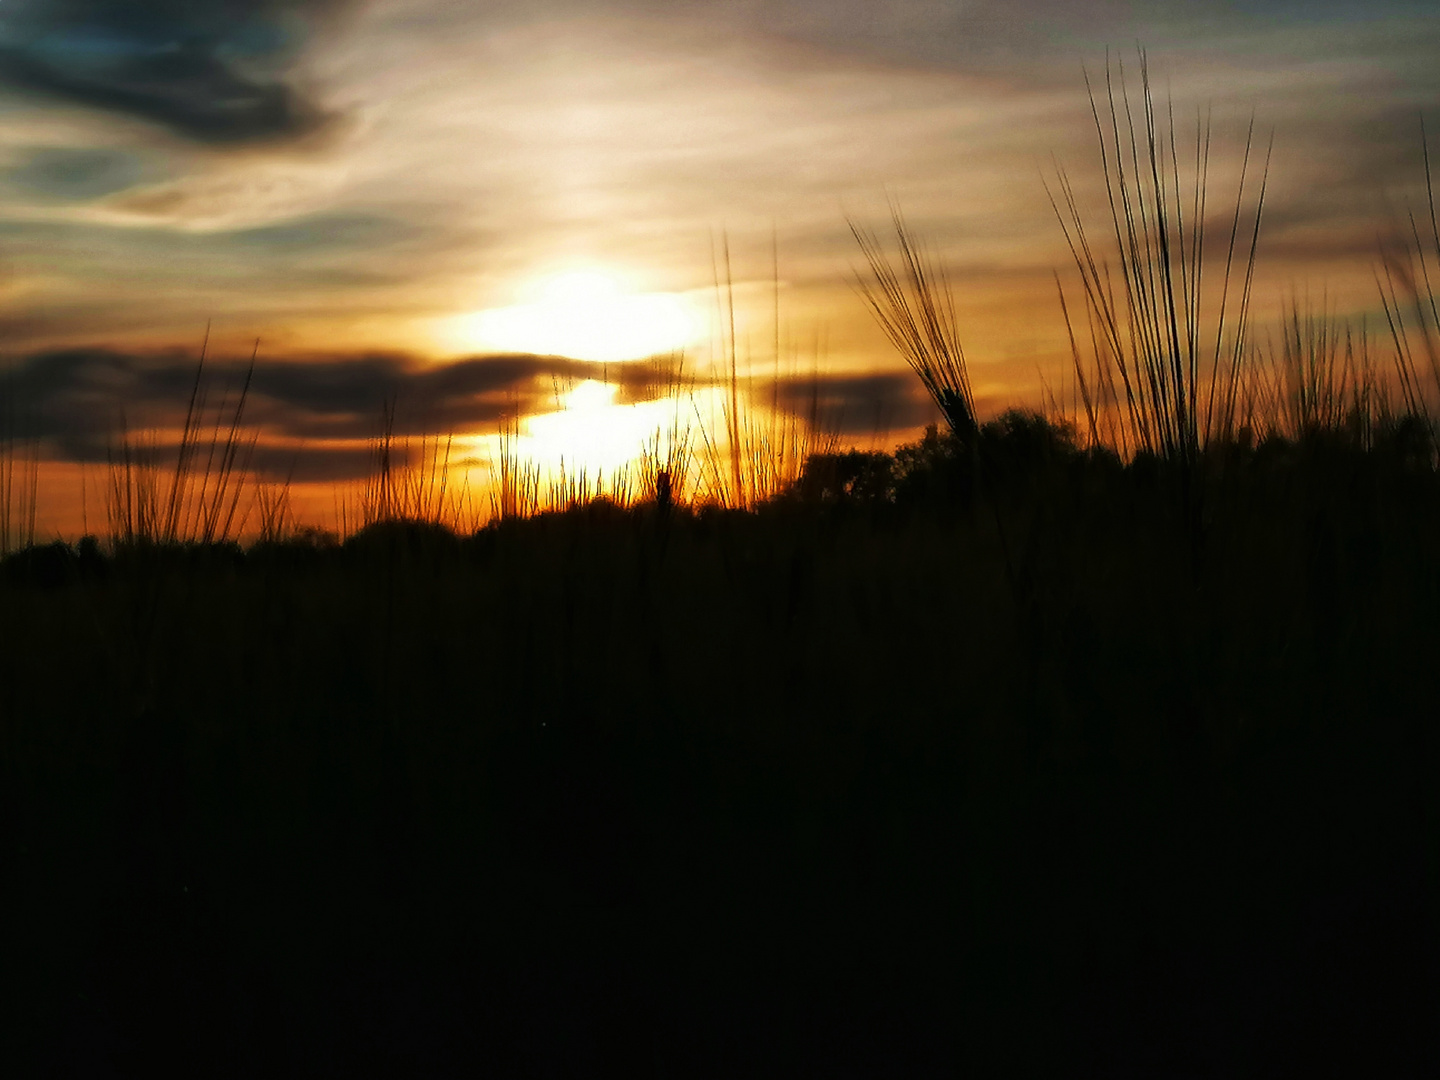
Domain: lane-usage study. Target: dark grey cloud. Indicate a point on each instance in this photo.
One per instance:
(77, 399)
(853, 406)
(213, 71)
(81, 401)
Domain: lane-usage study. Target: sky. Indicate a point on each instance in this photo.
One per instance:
(471, 206)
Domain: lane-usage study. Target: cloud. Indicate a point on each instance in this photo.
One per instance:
(213, 72)
(76, 174)
(856, 405)
(76, 398)
(315, 415)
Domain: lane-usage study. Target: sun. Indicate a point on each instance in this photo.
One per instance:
(592, 430)
(584, 314)
(588, 431)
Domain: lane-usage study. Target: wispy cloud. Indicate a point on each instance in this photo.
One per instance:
(212, 72)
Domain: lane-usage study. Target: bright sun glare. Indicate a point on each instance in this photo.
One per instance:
(591, 430)
(585, 315)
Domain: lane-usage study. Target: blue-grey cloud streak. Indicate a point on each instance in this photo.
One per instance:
(211, 71)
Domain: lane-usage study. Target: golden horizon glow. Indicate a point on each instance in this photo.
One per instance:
(583, 314)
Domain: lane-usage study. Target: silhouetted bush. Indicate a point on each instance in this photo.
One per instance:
(936, 472)
(47, 566)
(416, 540)
(856, 476)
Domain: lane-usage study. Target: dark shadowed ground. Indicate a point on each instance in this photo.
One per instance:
(1030, 770)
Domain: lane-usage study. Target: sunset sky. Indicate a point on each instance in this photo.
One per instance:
(385, 193)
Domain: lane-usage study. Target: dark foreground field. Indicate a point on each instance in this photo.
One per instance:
(1034, 772)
